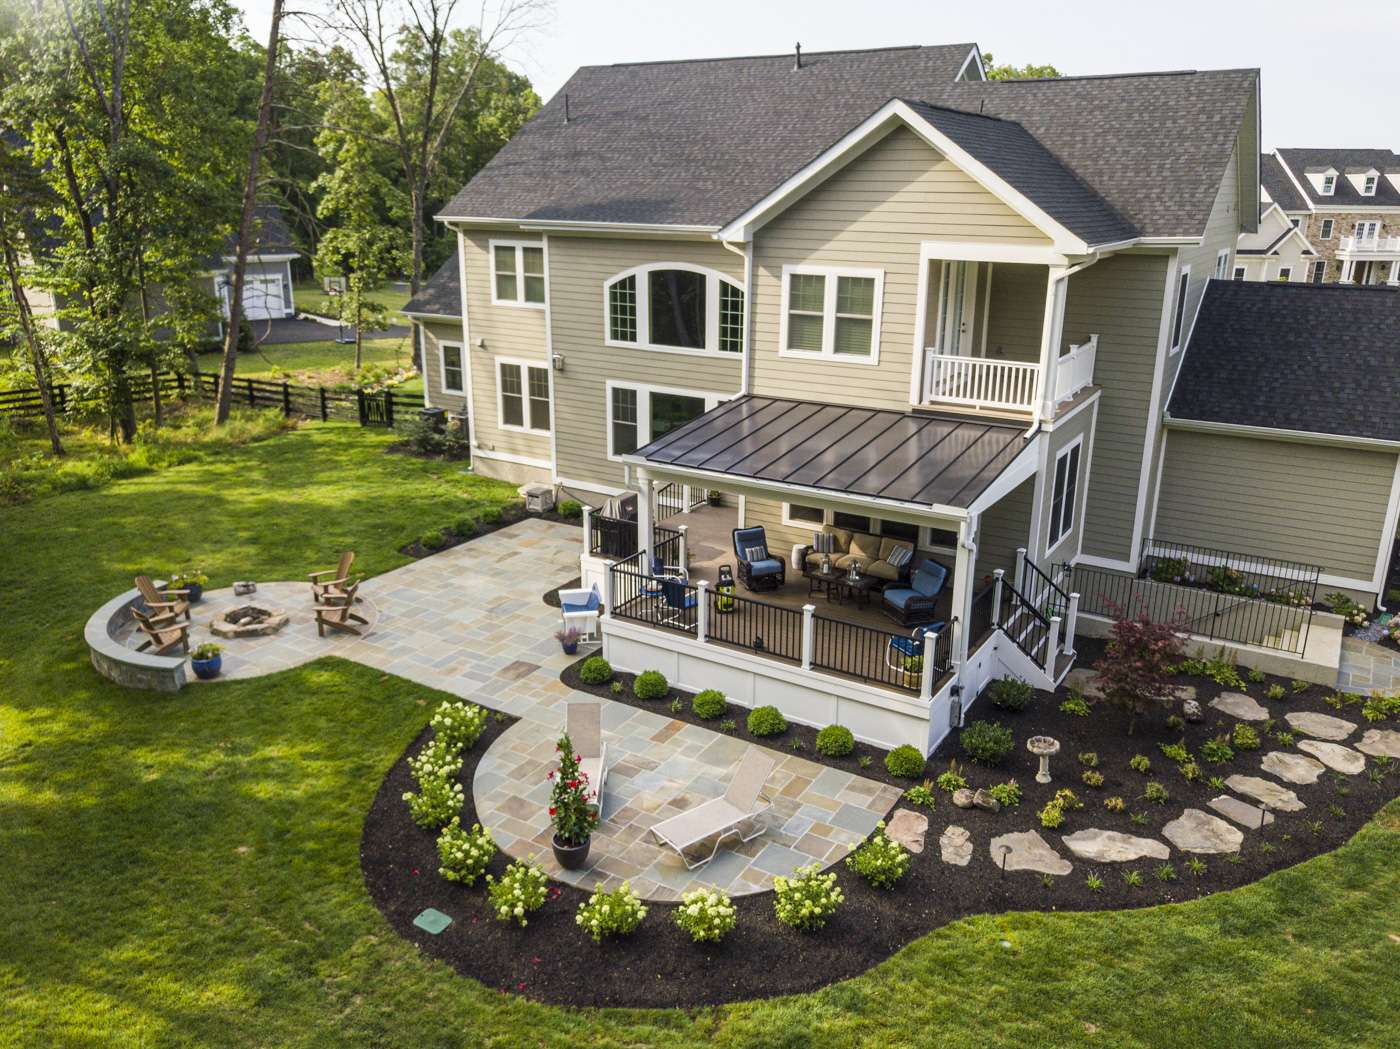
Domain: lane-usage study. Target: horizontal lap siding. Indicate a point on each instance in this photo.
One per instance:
(578, 269)
(433, 333)
(1061, 437)
(1299, 502)
(872, 214)
(1119, 298)
(1016, 312)
(1004, 528)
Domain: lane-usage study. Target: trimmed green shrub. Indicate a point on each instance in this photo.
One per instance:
(807, 899)
(465, 526)
(432, 541)
(987, 742)
(708, 704)
(616, 913)
(766, 721)
(905, 762)
(1010, 693)
(595, 671)
(835, 741)
(881, 861)
(650, 684)
(1008, 794)
(570, 509)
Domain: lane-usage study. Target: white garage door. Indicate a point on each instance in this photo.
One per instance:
(262, 297)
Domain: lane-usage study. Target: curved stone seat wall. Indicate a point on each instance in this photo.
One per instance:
(116, 662)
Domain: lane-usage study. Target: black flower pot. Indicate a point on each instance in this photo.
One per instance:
(570, 857)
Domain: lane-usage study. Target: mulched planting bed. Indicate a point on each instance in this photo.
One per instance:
(551, 960)
(511, 513)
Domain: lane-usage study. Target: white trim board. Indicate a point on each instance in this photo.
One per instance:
(1375, 444)
(832, 277)
(511, 457)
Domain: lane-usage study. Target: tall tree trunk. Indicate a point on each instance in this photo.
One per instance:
(151, 357)
(37, 356)
(245, 225)
(356, 316)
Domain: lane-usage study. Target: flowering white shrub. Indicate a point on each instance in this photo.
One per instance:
(807, 899)
(881, 861)
(458, 725)
(437, 802)
(520, 890)
(706, 914)
(616, 913)
(464, 854)
(435, 761)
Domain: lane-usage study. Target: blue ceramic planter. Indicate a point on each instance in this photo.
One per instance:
(206, 669)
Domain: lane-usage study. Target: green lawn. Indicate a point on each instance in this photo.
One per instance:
(183, 870)
(321, 363)
(311, 298)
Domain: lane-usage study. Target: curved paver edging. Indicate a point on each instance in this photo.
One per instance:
(125, 666)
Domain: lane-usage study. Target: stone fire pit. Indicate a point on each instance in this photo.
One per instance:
(248, 621)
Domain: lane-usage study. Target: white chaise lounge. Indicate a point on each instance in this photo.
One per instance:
(721, 817)
(583, 721)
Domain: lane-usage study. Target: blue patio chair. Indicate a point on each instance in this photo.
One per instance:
(915, 603)
(902, 648)
(681, 598)
(758, 570)
(657, 574)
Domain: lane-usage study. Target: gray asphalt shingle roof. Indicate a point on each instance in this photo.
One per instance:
(1318, 358)
(271, 234)
(1278, 185)
(441, 295)
(1344, 193)
(698, 143)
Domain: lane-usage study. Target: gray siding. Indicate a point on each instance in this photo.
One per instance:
(1081, 424)
(1004, 528)
(1301, 502)
(434, 333)
(1016, 312)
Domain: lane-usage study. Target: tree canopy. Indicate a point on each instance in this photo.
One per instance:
(1029, 71)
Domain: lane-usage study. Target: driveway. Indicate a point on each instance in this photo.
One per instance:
(303, 329)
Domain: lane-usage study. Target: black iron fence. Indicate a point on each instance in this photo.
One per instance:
(879, 656)
(1022, 620)
(1042, 593)
(616, 537)
(758, 626)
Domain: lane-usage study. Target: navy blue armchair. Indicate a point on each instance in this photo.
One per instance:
(916, 603)
(758, 569)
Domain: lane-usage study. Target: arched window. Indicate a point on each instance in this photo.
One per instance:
(676, 307)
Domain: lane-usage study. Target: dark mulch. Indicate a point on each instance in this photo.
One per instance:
(551, 961)
(551, 598)
(511, 513)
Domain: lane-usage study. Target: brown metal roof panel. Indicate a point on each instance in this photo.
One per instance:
(751, 441)
(853, 475)
(684, 438)
(906, 474)
(721, 435)
(793, 450)
(953, 483)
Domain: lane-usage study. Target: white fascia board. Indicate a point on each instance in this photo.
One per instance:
(233, 259)
(459, 222)
(987, 251)
(892, 113)
(1270, 434)
(1019, 470)
(430, 316)
(973, 60)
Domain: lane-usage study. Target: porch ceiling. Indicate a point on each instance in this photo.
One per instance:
(922, 459)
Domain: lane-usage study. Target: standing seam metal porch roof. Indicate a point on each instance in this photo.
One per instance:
(877, 453)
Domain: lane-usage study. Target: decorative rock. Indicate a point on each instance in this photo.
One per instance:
(1191, 711)
(908, 828)
(955, 846)
(964, 798)
(1198, 831)
(1279, 799)
(983, 800)
(1323, 726)
(1183, 693)
(1238, 705)
(1111, 846)
(1380, 743)
(1292, 768)
(1243, 813)
(1028, 852)
(1335, 756)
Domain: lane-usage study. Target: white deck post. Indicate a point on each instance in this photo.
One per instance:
(807, 635)
(646, 523)
(608, 588)
(1020, 569)
(1000, 576)
(926, 680)
(702, 609)
(685, 550)
(1052, 645)
(1071, 624)
(587, 530)
(1050, 341)
(685, 498)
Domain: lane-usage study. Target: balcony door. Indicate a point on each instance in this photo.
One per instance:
(957, 309)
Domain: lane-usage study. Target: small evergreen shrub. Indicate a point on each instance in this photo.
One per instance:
(616, 913)
(650, 684)
(987, 742)
(571, 509)
(1076, 705)
(766, 721)
(432, 541)
(708, 704)
(518, 892)
(905, 762)
(1244, 738)
(881, 861)
(465, 527)
(835, 741)
(808, 899)
(707, 914)
(595, 671)
(1140, 763)
(1218, 750)
(1010, 693)
(1052, 816)
(458, 724)
(921, 794)
(463, 855)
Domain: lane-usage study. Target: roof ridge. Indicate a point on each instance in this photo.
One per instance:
(965, 113)
(1110, 76)
(780, 54)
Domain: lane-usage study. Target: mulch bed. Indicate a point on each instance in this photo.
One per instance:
(552, 961)
(511, 513)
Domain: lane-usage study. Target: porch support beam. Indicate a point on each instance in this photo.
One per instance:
(964, 563)
(646, 518)
(1051, 332)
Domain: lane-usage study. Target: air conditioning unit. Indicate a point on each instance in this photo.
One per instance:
(539, 498)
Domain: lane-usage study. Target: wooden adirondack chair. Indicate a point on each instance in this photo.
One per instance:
(334, 587)
(163, 602)
(340, 614)
(163, 632)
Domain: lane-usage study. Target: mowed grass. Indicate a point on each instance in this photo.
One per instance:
(183, 870)
(325, 363)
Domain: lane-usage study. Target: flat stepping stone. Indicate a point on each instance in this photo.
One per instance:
(1279, 799)
(1238, 705)
(908, 828)
(1085, 682)
(1242, 812)
(1335, 756)
(1323, 726)
(1028, 851)
(955, 846)
(1292, 768)
(432, 920)
(1196, 830)
(1111, 846)
(1380, 743)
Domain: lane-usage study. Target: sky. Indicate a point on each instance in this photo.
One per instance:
(1309, 95)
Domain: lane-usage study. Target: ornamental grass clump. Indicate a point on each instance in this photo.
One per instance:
(881, 861)
(707, 914)
(808, 899)
(518, 892)
(463, 855)
(458, 725)
(616, 913)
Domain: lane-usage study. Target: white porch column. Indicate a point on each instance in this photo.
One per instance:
(961, 623)
(1000, 576)
(685, 498)
(808, 634)
(1347, 266)
(1020, 570)
(1051, 335)
(646, 520)
(608, 588)
(1052, 646)
(685, 550)
(926, 678)
(587, 530)
(1071, 624)
(1394, 279)
(702, 609)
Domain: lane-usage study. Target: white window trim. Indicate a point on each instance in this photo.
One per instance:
(827, 352)
(1314, 272)
(644, 392)
(1323, 189)
(713, 279)
(1325, 232)
(442, 366)
(1285, 274)
(1222, 263)
(520, 301)
(1056, 541)
(1178, 326)
(1374, 181)
(1241, 273)
(525, 365)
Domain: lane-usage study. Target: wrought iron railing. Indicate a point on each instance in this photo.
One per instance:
(871, 654)
(758, 626)
(1024, 623)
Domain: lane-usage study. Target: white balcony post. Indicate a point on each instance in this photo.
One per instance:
(646, 523)
(685, 498)
(685, 550)
(1347, 267)
(1071, 624)
(926, 679)
(1000, 576)
(702, 609)
(1052, 646)
(1020, 570)
(587, 530)
(608, 567)
(808, 629)
(1050, 338)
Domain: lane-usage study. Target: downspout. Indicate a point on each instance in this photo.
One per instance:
(746, 252)
(1036, 416)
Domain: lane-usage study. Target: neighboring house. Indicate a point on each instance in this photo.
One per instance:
(1346, 204)
(866, 291)
(267, 277)
(1276, 251)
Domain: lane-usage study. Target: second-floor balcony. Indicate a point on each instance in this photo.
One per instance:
(1377, 247)
(990, 384)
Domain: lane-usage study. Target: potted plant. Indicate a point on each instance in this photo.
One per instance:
(572, 808)
(192, 580)
(913, 670)
(207, 660)
(712, 497)
(568, 640)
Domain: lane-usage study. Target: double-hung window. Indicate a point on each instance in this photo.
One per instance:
(831, 312)
(1285, 273)
(1222, 264)
(1326, 231)
(1064, 493)
(1368, 187)
(674, 307)
(524, 396)
(1239, 273)
(638, 415)
(1319, 270)
(517, 273)
(1183, 283)
(453, 367)
(1329, 183)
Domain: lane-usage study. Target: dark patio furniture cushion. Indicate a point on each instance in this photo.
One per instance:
(854, 559)
(928, 580)
(900, 596)
(842, 536)
(768, 566)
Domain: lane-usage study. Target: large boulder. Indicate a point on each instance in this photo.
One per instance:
(908, 828)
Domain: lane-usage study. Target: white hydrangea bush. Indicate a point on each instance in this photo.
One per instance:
(808, 899)
(462, 854)
(436, 804)
(881, 861)
(707, 914)
(459, 725)
(520, 890)
(435, 761)
(616, 913)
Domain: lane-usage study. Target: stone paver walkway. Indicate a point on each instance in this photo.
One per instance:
(1367, 667)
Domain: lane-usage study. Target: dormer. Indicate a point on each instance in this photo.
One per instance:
(1392, 175)
(1324, 180)
(1364, 180)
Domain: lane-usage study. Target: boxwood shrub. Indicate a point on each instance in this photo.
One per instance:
(987, 742)
(905, 761)
(835, 741)
(595, 671)
(1010, 693)
(708, 704)
(650, 684)
(766, 721)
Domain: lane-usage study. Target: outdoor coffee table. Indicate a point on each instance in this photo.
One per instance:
(838, 586)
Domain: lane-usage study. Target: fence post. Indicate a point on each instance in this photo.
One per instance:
(1020, 570)
(389, 408)
(252, 394)
(926, 677)
(1071, 624)
(684, 559)
(360, 404)
(1052, 645)
(63, 407)
(808, 629)
(702, 608)
(286, 399)
(180, 382)
(1000, 575)
(587, 530)
(324, 413)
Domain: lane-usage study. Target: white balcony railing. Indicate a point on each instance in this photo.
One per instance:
(1371, 245)
(1075, 369)
(983, 383)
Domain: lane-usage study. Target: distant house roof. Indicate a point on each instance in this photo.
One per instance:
(1315, 358)
(1356, 161)
(1278, 185)
(932, 460)
(698, 143)
(271, 234)
(441, 296)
